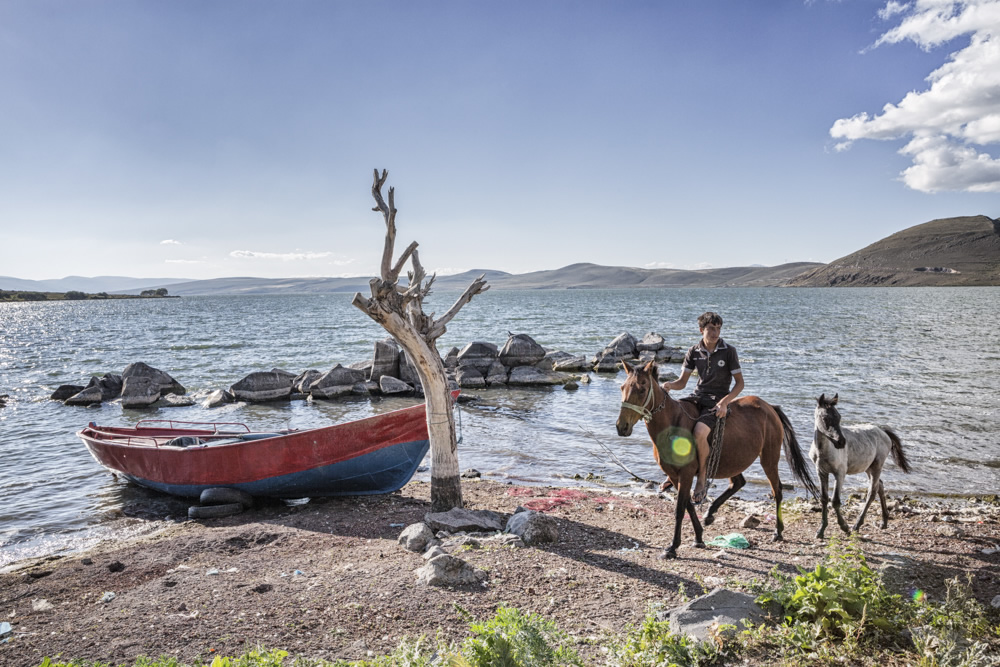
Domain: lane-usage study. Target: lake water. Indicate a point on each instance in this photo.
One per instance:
(925, 361)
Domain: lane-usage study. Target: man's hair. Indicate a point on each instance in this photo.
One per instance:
(709, 318)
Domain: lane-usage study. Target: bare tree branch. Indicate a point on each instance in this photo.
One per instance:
(478, 286)
(410, 250)
(389, 215)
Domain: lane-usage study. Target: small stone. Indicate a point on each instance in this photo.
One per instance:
(750, 522)
(995, 603)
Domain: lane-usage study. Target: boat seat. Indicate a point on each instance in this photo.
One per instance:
(183, 441)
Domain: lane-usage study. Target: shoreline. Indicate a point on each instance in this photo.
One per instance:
(327, 579)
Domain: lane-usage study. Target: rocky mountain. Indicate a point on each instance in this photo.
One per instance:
(961, 251)
(575, 276)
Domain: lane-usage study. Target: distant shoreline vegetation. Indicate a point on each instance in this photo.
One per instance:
(74, 295)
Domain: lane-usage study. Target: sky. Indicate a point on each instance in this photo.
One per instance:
(210, 138)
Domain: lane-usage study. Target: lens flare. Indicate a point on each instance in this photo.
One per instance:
(681, 447)
(919, 595)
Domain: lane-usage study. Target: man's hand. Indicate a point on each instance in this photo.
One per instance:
(721, 408)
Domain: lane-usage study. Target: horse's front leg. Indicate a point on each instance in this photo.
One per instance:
(824, 499)
(873, 486)
(838, 478)
(682, 505)
(735, 484)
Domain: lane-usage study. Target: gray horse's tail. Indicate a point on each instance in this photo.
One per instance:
(897, 450)
(793, 454)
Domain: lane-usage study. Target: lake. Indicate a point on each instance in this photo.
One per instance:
(924, 361)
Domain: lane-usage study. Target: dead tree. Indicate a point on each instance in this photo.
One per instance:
(399, 309)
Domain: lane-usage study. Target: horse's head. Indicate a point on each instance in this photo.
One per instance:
(637, 396)
(828, 420)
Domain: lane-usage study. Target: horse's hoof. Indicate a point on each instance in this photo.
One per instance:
(699, 545)
(668, 554)
(708, 520)
(777, 538)
(820, 535)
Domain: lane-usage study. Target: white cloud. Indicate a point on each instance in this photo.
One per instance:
(184, 261)
(169, 242)
(283, 256)
(960, 109)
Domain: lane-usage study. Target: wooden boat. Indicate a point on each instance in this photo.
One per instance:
(377, 454)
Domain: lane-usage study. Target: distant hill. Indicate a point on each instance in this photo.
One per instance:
(952, 251)
(88, 285)
(575, 276)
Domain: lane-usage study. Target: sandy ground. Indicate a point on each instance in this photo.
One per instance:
(328, 580)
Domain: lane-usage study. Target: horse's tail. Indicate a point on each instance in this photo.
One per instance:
(793, 454)
(897, 450)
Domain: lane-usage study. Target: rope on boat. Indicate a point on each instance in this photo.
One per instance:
(715, 450)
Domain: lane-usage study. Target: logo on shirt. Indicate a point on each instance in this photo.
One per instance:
(722, 362)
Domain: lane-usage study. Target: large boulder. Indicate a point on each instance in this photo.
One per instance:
(337, 381)
(451, 358)
(261, 386)
(550, 359)
(497, 374)
(163, 381)
(651, 342)
(702, 617)
(462, 520)
(479, 355)
(300, 385)
(386, 360)
(533, 527)
(415, 537)
(110, 385)
(469, 377)
(521, 350)
(89, 396)
(64, 391)
(390, 386)
(218, 398)
(622, 347)
(408, 372)
(572, 365)
(139, 391)
(532, 376)
(446, 570)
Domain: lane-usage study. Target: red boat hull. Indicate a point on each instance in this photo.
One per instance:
(378, 454)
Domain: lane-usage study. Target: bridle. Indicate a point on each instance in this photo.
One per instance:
(645, 410)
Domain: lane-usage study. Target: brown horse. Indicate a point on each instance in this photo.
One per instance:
(753, 429)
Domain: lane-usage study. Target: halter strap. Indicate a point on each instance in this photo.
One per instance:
(644, 409)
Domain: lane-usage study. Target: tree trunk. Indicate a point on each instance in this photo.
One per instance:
(400, 312)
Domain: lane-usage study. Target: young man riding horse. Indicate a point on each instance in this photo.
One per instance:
(718, 365)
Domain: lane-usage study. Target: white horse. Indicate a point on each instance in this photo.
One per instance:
(847, 450)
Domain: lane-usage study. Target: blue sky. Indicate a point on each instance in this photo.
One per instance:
(201, 139)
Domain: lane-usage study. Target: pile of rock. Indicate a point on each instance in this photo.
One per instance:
(139, 386)
(521, 362)
(442, 535)
(625, 347)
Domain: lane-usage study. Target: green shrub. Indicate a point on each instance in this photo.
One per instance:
(652, 643)
(841, 596)
(515, 639)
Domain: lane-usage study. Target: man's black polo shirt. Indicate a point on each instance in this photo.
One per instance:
(715, 370)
